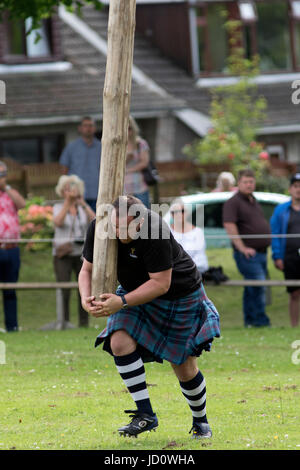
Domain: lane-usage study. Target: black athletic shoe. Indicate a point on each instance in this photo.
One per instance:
(140, 422)
(201, 431)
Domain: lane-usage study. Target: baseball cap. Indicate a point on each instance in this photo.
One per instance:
(295, 178)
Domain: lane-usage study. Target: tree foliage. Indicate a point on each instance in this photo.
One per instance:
(40, 9)
(236, 112)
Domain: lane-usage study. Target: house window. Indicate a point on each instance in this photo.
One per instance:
(25, 45)
(270, 28)
(210, 25)
(17, 46)
(295, 21)
(40, 47)
(273, 36)
(43, 149)
(295, 6)
(277, 152)
(247, 12)
(296, 33)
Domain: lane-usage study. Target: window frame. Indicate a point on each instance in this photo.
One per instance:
(248, 21)
(293, 21)
(252, 25)
(40, 145)
(279, 144)
(15, 59)
(208, 64)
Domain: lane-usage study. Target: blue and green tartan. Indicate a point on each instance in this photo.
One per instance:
(170, 330)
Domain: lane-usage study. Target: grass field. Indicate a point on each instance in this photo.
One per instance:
(58, 392)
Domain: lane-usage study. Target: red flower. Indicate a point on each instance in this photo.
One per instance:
(264, 156)
(230, 156)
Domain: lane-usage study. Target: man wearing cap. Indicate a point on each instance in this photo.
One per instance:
(286, 251)
(10, 202)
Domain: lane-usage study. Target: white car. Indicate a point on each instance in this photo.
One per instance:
(215, 234)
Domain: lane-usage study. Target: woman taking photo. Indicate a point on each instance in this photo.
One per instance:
(71, 218)
(137, 159)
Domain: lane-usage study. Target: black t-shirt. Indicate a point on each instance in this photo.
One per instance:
(150, 255)
(293, 243)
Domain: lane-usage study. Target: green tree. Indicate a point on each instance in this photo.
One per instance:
(40, 9)
(236, 112)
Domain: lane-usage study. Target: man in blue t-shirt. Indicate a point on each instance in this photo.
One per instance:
(82, 158)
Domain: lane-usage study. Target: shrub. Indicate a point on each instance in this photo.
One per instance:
(36, 220)
(236, 112)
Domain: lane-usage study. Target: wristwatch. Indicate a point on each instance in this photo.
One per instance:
(125, 305)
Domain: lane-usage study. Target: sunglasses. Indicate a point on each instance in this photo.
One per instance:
(181, 211)
(3, 173)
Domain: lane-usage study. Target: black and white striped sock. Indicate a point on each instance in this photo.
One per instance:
(195, 393)
(131, 368)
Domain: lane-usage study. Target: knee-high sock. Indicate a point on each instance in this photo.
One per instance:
(131, 368)
(195, 393)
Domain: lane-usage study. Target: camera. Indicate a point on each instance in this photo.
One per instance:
(78, 241)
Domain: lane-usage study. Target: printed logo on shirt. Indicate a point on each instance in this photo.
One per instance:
(132, 253)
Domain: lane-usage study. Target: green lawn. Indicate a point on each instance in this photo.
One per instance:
(36, 308)
(58, 392)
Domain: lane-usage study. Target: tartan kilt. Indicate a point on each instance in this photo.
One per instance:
(167, 329)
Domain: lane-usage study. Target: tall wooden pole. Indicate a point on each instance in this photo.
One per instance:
(116, 107)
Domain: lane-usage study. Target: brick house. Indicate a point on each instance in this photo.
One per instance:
(180, 54)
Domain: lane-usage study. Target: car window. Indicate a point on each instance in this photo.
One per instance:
(268, 209)
(212, 215)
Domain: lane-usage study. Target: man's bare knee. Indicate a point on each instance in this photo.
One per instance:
(122, 343)
(186, 371)
(295, 295)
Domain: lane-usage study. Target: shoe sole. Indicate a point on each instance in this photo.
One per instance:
(203, 436)
(127, 434)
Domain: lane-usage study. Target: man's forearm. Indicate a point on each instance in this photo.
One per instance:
(145, 293)
(232, 230)
(85, 283)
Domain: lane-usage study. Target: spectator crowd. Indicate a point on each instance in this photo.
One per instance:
(250, 233)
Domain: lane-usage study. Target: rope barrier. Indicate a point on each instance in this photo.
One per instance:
(38, 285)
(74, 285)
(216, 236)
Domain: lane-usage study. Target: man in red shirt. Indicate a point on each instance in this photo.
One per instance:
(10, 202)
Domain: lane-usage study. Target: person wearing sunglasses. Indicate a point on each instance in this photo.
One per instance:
(137, 159)
(190, 237)
(10, 202)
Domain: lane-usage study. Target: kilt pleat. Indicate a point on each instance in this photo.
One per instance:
(170, 330)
